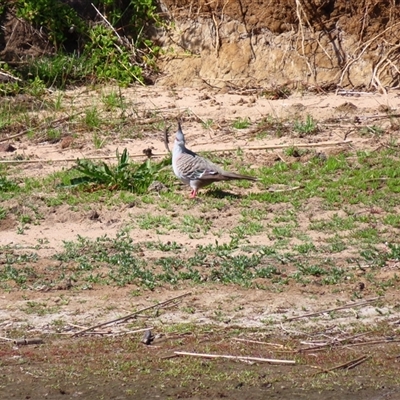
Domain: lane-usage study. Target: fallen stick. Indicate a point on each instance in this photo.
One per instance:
(272, 190)
(332, 309)
(348, 365)
(10, 76)
(372, 342)
(280, 346)
(6, 339)
(275, 147)
(242, 358)
(24, 342)
(41, 125)
(333, 342)
(123, 319)
(118, 332)
(283, 146)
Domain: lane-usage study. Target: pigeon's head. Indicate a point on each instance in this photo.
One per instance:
(179, 138)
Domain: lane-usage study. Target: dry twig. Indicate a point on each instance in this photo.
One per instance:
(132, 315)
(241, 358)
(282, 146)
(361, 303)
(347, 365)
(279, 346)
(42, 125)
(332, 342)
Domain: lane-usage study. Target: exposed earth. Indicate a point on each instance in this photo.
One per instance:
(24, 311)
(250, 61)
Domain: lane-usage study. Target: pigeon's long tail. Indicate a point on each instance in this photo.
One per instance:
(232, 176)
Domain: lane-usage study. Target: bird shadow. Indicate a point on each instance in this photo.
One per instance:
(221, 194)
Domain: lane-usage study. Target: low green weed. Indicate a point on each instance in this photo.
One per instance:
(241, 123)
(308, 127)
(123, 176)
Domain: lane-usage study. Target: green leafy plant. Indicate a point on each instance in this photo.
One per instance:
(113, 100)
(373, 130)
(55, 17)
(123, 176)
(59, 70)
(241, 123)
(207, 124)
(109, 59)
(92, 118)
(6, 185)
(95, 51)
(308, 127)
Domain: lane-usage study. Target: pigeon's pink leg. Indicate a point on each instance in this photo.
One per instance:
(193, 194)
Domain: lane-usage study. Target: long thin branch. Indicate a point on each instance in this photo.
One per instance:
(332, 342)
(362, 303)
(268, 360)
(348, 365)
(129, 316)
(280, 346)
(372, 342)
(273, 147)
(43, 124)
(107, 22)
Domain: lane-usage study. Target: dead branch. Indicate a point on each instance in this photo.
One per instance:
(202, 121)
(361, 303)
(289, 189)
(116, 332)
(332, 342)
(217, 38)
(132, 315)
(299, 11)
(241, 358)
(347, 365)
(108, 24)
(372, 342)
(281, 146)
(25, 342)
(6, 339)
(279, 346)
(376, 72)
(9, 76)
(366, 45)
(42, 125)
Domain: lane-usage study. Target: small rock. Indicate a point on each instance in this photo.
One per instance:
(148, 152)
(66, 142)
(94, 215)
(148, 337)
(158, 187)
(7, 147)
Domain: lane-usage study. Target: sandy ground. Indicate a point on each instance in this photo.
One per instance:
(339, 117)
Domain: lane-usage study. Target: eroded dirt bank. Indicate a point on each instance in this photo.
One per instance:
(300, 43)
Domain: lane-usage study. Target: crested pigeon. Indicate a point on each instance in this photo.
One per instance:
(196, 171)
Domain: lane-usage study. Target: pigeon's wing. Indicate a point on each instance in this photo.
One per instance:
(193, 167)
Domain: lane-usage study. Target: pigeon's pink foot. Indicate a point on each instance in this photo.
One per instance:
(193, 194)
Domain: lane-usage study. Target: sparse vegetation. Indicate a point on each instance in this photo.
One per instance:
(123, 176)
(241, 123)
(310, 228)
(86, 51)
(308, 127)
